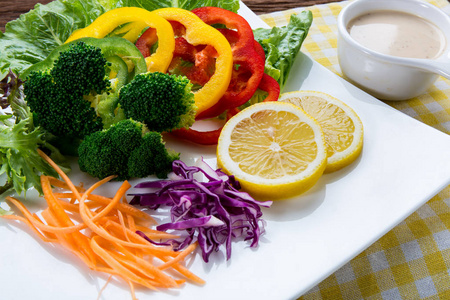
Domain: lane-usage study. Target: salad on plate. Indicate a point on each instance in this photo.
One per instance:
(96, 88)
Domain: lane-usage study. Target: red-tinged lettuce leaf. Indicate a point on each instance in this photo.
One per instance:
(20, 163)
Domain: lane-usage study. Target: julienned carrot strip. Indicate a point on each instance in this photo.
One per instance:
(73, 207)
(101, 200)
(145, 267)
(101, 231)
(104, 287)
(63, 238)
(113, 263)
(124, 228)
(26, 221)
(115, 228)
(181, 256)
(47, 234)
(139, 242)
(131, 223)
(61, 215)
(41, 226)
(63, 175)
(66, 240)
(61, 184)
(186, 273)
(133, 293)
(49, 228)
(124, 207)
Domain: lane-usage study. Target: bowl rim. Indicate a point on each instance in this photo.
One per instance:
(412, 8)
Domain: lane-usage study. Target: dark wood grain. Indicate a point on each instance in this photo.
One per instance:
(12, 9)
(264, 6)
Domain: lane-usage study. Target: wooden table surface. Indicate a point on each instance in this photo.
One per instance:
(11, 9)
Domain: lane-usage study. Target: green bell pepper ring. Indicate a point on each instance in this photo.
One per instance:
(111, 46)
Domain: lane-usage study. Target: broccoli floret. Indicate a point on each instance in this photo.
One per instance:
(81, 70)
(59, 96)
(139, 163)
(161, 101)
(126, 149)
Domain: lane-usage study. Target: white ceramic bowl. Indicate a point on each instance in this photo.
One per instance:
(389, 77)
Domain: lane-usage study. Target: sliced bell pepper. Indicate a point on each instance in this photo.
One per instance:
(271, 86)
(202, 137)
(201, 57)
(135, 20)
(249, 66)
(267, 84)
(112, 49)
(199, 33)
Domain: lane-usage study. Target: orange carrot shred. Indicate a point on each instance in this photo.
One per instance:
(101, 231)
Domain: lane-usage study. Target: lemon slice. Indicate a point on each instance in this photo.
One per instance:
(342, 127)
(274, 149)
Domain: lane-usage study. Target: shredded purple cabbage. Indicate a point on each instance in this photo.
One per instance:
(213, 212)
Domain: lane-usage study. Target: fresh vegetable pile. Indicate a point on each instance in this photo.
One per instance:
(97, 74)
(104, 82)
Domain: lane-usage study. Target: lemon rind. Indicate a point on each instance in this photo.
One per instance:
(349, 155)
(264, 188)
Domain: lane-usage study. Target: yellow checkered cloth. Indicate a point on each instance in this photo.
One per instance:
(412, 261)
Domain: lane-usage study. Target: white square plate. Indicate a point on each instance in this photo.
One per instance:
(403, 164)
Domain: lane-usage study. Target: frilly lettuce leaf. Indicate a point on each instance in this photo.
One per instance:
(282, 44)
(30, 38)
(19, 158)
(155, 4)
(35, 34)
(20, 163)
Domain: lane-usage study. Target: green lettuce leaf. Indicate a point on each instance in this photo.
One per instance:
(35, 34)
(20, 163)
(30, 38)
(282, 44)
(19, 158)
(155, 4)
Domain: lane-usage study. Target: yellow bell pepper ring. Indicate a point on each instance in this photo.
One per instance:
(200, 33)
(140, 18)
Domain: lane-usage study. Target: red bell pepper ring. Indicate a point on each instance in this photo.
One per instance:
(240, 36)
(247, 53)
(147, 39)
(271, 86)
(202, 137)
(202, 58)
(267, 84)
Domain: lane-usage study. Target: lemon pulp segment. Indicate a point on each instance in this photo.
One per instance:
(274, 149)
(342, 127)
(272, 144)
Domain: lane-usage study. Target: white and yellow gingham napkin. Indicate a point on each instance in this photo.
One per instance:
(412, 261)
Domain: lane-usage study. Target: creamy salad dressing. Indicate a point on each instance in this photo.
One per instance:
(398, 34)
